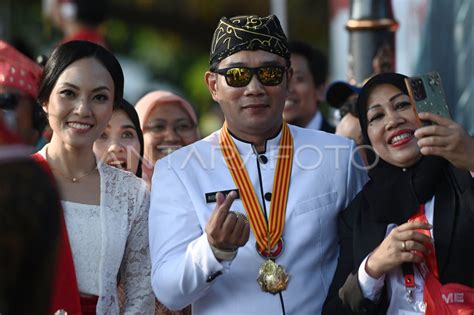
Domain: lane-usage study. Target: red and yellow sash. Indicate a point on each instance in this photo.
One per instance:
(267, 235)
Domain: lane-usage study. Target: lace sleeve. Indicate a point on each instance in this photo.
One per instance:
(135, 268)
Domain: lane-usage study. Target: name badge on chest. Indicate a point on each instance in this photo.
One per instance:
(211, 196)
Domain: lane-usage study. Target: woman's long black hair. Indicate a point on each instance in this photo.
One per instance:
(132, 114)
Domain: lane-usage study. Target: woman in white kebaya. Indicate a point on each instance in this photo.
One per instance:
(105, 209)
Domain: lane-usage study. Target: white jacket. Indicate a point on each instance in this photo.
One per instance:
(184, 269)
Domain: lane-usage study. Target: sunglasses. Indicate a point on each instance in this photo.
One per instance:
(9, 101)
(184, 129)
(241, 76)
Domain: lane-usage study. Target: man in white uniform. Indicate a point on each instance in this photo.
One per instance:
(244, 221)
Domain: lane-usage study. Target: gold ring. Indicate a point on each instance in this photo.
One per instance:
(240, 215)
(404, 245)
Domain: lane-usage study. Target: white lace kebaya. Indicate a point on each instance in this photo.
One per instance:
(123, 249)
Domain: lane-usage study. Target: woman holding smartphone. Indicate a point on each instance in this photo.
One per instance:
(416, 211)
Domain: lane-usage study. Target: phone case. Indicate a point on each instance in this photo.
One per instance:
(426, 92)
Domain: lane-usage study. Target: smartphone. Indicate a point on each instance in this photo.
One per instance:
(427, 94)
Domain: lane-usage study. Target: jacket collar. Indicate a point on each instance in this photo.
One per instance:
(247, 148)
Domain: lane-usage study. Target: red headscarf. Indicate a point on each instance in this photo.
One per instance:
(18, 71)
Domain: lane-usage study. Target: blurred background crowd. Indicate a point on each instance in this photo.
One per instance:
(163, 48)
(164, 44)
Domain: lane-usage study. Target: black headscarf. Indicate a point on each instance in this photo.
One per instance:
(395, 193)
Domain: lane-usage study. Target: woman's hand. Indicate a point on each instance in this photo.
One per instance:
(403, 244)
(446, 139)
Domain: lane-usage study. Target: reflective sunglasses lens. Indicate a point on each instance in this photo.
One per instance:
(270, 75)
(238, 77)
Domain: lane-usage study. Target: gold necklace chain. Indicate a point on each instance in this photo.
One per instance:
(75, 179)
(72, 179)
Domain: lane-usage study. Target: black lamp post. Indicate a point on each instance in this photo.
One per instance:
(372, 30)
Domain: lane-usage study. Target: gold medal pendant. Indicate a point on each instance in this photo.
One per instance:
(272, 277)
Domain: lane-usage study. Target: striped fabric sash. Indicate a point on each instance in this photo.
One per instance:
(267, 235)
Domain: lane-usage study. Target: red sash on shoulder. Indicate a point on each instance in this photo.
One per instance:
(65, 293)
(447, 299)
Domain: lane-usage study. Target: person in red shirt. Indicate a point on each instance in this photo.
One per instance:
(78, 19)
(30, 220)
